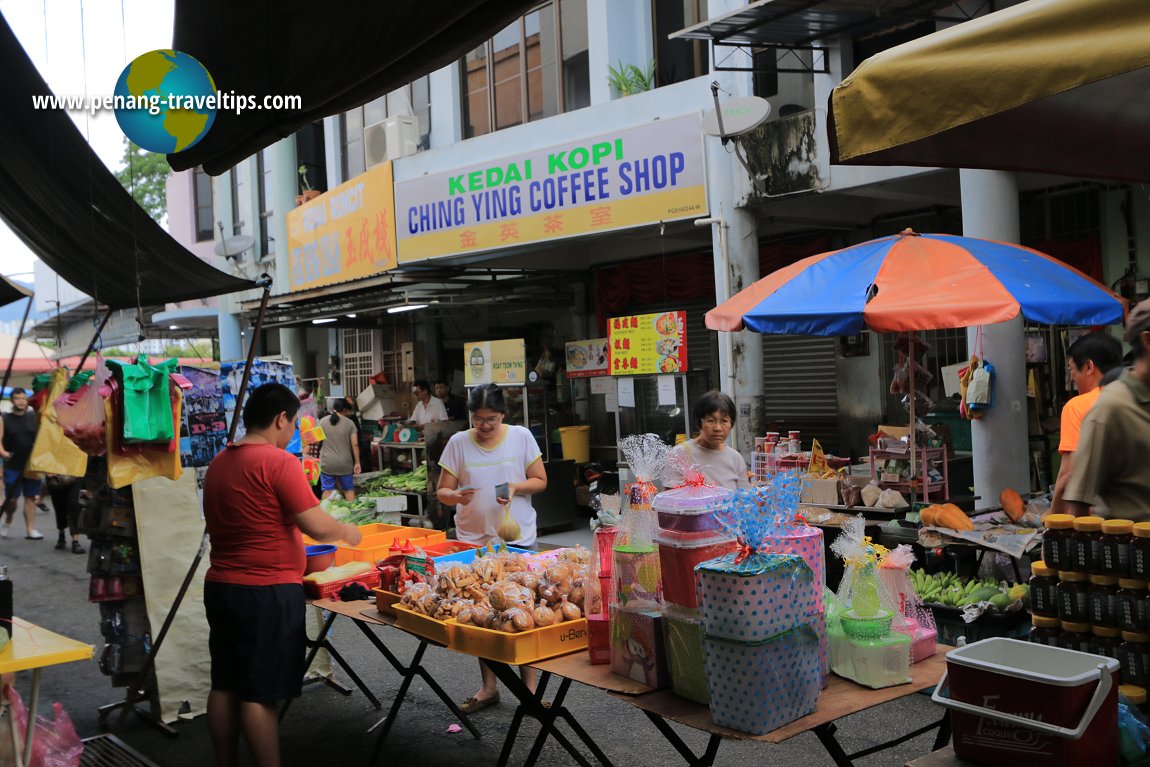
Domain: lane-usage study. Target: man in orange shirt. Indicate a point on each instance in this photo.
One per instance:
(1088, 359)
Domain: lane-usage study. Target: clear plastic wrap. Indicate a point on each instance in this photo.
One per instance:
(636, 575)
(893, 571)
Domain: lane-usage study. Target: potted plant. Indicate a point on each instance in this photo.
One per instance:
(628, 79)
(306, 191)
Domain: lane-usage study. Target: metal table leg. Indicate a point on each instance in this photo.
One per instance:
(708, 757)
(314, 646)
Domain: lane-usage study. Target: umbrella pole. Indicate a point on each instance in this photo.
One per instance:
(913, 429)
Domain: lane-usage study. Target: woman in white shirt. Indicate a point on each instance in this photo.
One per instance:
(722, 466)
(475, 462)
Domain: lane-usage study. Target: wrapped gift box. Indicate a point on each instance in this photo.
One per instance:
(805, 541)
(757, 687)
(638, 650)
(758, 597)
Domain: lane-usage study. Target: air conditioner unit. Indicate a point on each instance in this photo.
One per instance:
(391, 139)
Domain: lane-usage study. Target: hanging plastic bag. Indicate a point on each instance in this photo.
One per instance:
(82, 417)
(145, 460)
(147, 407)
(52, 452)
(508, 528)
(980, 392)
(55, 743)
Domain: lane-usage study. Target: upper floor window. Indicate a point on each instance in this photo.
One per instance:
(677, 60)
(535, 67)
(202, 195)
(355, 124)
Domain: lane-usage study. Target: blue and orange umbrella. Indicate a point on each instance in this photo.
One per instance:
(910, 282)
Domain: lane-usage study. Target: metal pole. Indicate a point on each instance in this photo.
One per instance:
(134, 689)
(95, 338)
(15, 347)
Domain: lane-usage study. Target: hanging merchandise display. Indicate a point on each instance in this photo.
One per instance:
(53, 452)
(147, 408)
(81, 413)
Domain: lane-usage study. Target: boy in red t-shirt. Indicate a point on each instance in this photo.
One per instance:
(256, 502)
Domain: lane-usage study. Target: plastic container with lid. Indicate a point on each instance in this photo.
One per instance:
(1133, 693)
(1117, 535)
(1132, 605)
(1072, 597)
(1045, 630)
(1076, 636)
(1086, 545)
(1101, 600)
(1106, 641)
(1056, 541)
(1134, 657)
(679, 552)
(1140, 551)
(1043, 590)
(690, 508)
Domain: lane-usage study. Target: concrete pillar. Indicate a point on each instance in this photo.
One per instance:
(231, 342)
(281, 191)
(293, 345)
(999, 439)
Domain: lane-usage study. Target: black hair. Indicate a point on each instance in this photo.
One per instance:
(439, 381)
(266, 402)
(1137, 350)
(422, 384)
(17, 390)
(339, 406)
(1111, 377)
(1103, 349)
(488, 396)
(713, 401)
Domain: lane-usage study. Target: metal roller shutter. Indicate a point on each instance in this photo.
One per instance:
(799, 386)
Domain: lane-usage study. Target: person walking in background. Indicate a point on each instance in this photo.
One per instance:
(256, 503)
(722, 466)
(65, 494)
(339, 453)
(1110, 471)
(17, 436)
(490, 467)
(1088, 360)
(456, 407)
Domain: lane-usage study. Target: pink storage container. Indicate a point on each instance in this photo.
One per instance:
(1014, 702)
(679, 552)
(690, 508)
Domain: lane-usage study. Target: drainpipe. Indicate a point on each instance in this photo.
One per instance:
(726, 347)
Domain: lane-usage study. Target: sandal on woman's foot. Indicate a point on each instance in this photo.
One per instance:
(473, 704)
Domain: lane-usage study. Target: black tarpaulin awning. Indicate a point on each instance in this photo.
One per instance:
(336, 56)
(11, 292)
(58, 197)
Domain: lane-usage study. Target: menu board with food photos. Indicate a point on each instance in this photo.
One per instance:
(647, 344)
(587, 358)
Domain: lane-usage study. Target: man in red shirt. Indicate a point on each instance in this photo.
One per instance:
(256, 502)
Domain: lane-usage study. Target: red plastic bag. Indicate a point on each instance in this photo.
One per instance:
(81, 414)
(56, 743)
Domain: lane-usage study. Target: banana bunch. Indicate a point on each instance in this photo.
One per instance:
(948, 589)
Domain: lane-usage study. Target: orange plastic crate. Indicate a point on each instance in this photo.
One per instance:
(421, 625)
(314, 590)
(385, 601)
(377, 540)
(445, 547)
(524, 647)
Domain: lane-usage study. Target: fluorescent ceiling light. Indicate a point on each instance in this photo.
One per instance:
(173, 327)
(322, 321)
(405, 308)
(350, 316)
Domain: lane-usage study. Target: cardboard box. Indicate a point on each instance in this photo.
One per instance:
(638, 648)
(820, 492)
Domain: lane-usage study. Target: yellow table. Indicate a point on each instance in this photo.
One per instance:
(32, 648)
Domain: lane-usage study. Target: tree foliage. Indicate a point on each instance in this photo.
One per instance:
(145, 174)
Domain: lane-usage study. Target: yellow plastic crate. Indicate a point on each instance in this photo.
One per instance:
(421, 625)
(385, 601)
(524, 647)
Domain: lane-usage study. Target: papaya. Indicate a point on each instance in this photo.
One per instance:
(1012, 504)
(953, 517)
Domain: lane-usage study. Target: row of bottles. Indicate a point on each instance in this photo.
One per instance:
(1101, 600)
(1097, 546)
(1130, 648)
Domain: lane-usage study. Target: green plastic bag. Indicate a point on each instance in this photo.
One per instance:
(147, 407)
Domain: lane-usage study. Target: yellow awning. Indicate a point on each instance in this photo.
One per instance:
(1052, 86)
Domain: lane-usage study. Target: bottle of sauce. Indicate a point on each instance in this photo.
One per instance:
(1140, 551)
(1056, 541)
(1076, 636)
(1043, 590)
(1101, 600)
(1131, 603)
(1106, 641)
(1086, 545)
(1117, 535)
(1045, 630)
(1072, 597)
(1134, 657)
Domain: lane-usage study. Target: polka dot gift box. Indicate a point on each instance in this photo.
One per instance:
(757, 687)
(756, 597)
(805, 541)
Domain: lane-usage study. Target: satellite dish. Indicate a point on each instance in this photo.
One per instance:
(232, 247)
(739, 116)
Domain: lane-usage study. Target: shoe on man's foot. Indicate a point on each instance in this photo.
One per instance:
(61, 544)
(34, 535)
(5, 528)
(43, 507)
(77, 548)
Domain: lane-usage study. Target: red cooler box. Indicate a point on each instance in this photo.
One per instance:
(1015, 702)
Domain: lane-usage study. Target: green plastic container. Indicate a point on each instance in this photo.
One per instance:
(685, 651)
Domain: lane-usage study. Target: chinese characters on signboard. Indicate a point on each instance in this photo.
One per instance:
(647, 344)
(587, 359)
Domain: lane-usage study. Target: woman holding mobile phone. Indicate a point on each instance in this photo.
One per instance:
(491, 466)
